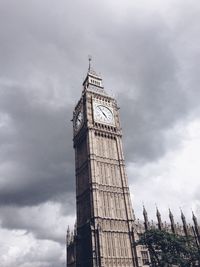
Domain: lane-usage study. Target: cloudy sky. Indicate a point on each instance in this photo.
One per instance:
(148, 53)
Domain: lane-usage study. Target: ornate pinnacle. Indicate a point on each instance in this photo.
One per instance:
(196, 227)
(172, 222)
(159, 219)
(194, 218)
(184, 223)
(146, 221)
(90, 59)
(68, 235)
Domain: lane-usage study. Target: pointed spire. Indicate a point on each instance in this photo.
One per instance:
(171, 217)
(158, 215)
(184, 223)
(93, 81)
(194, 218)
(75, 228)
(91, 70)
(146, 221)
(68, 236)
(72, 236)
(183, 218)
(196, 227)
(89, 59)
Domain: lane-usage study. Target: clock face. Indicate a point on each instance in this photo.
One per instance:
(103, 114)
(78, 120)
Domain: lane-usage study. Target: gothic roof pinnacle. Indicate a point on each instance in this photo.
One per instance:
(170, 214)
(157, 212)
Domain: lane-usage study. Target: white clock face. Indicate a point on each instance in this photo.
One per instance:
(103, 114)
(78, 120)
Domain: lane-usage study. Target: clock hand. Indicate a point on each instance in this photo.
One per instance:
(103, 112)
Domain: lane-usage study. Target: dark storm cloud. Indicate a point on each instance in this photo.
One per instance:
(36, 161)
(43, 46)
(149, 87)
(154, 92)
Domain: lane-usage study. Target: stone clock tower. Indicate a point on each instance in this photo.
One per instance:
(104, 232)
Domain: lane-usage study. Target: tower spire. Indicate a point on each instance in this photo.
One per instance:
(158, 215)
(68, 236)
(196, 226)
(93, 81)
(146, 221)
(194, 218)
(184, 223)
(171, 216)
(89, 59)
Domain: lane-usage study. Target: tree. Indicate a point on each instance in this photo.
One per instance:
(167, 249)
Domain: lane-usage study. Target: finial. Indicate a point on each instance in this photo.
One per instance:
(90, 59)
(182, 214)
(194, 218)
(173, 226)
(185, 227)
(170, 214)
(75, 228)
(193, 215)
(146, 222)
(157, 211)
(144, 211)
(68, 236)
(159, 218)
(196, 227)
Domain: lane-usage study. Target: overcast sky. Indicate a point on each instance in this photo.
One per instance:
(148, 53)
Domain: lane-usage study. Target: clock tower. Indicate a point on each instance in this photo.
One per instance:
(105, 219)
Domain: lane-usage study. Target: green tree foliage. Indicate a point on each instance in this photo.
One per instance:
(167, 249)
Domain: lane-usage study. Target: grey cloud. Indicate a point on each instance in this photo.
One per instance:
(49, 253)
(46, 221)
(154, 96)
(155, 92)
(139, 61)
(38, 153)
